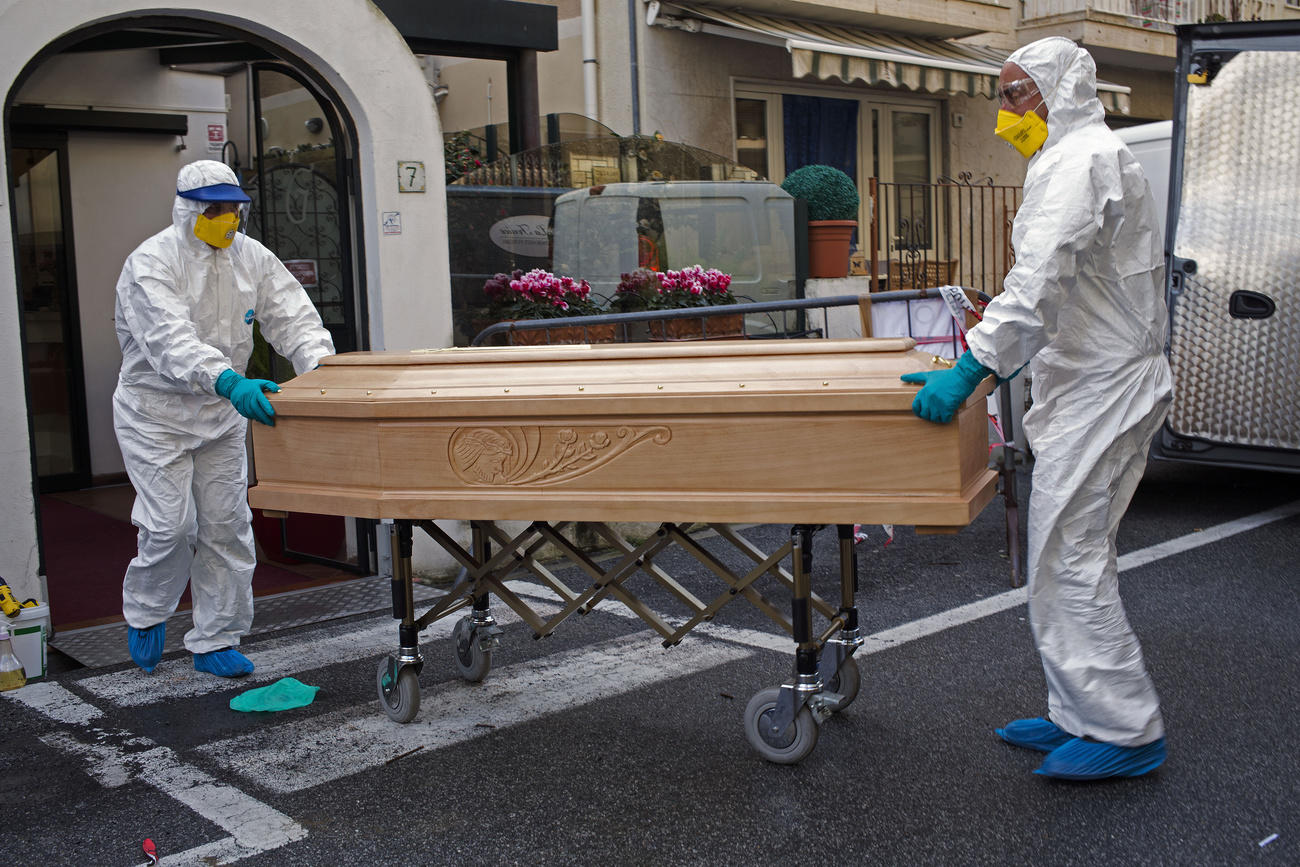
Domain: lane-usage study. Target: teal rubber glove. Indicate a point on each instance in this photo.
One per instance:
(247, 396)
(945, 391)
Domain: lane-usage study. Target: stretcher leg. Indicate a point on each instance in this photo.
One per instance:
(838, 670)
(398, 676)
(780, 722)
(476, 634)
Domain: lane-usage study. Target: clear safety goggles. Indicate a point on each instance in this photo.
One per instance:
(1017, 91)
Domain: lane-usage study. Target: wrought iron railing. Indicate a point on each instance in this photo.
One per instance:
(951, 232)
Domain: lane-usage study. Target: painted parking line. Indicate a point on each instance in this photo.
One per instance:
(287, 758)
(1217, 533)
(253, 827)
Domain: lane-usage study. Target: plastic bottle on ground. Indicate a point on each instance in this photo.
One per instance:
(12, 675)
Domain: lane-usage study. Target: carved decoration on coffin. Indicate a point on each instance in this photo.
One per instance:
(537, 456)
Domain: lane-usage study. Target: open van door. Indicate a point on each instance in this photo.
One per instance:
(1233, 247)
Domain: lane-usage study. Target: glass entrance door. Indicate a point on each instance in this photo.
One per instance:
(51, 330)
(301, 212)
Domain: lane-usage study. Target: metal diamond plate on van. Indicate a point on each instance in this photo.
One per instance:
(1237, 381)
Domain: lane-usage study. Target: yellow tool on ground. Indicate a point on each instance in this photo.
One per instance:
(9, 605)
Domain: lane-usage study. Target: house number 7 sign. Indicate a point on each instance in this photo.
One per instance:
(410, 176)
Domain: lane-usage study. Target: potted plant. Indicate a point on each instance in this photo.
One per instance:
(832, 216)
(693, 286)
(539, 294)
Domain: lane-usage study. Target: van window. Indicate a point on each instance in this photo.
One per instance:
(718, 236)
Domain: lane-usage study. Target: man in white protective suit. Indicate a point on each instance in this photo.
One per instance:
(1084, 305)
(186, 302)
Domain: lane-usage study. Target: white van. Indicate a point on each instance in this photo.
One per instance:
(744, 228)
(1149, 142)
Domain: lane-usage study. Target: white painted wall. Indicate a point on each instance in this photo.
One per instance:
(359, 54)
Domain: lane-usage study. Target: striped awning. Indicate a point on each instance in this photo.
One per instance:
(833, 51)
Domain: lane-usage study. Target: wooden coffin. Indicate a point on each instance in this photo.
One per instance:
(790, 431)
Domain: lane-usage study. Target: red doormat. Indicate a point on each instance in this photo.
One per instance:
(86, 555)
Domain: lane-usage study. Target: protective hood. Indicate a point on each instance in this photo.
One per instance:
(195, 176)
(1067, 78)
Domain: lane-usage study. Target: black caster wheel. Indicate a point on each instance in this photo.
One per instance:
(400, 696)
(785, 748)
(472, 661)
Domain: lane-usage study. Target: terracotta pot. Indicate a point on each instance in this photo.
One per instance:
(722, 327)
(562, 334)
(828, 247)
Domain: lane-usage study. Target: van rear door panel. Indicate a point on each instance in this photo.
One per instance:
(1234, 272)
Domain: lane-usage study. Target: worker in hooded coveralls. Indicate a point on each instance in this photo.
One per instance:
(1084, 307)
(186, 303)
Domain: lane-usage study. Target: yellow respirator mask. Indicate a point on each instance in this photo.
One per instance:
(1026, 133)
(218, 231)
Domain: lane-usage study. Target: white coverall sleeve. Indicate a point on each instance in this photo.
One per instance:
(289, 321)
(1056, 225)
(159, 322)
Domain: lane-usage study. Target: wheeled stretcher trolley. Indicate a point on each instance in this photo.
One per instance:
(807, 433)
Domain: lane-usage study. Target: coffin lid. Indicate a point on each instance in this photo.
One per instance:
(688, 377)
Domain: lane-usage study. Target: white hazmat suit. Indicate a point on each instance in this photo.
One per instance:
(1084, 301)
(184, 315)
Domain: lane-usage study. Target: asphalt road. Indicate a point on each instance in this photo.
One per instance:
(597, 746)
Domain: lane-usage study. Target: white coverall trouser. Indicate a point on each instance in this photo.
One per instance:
(191, 508)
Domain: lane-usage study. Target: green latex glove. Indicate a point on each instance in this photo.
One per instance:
(247, 396)
(944, 391)
(285, 694)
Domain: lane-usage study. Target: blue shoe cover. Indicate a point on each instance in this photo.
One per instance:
(226, 662)
(1034, 734)
(1089, 760)
(146, 645)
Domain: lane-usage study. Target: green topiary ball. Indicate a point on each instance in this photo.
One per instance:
(829, 192)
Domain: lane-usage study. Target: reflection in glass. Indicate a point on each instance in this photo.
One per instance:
(44, 286)
(751, 135)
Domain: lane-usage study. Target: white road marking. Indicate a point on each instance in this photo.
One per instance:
(290, 757)
(56, 703)
(1217, 533)
(254, 827)
(274, 659)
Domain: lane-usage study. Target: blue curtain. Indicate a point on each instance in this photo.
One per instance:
(822, 131)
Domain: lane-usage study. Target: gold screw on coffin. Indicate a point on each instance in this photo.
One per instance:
(322, 391)
(582, 388)
(660, 387)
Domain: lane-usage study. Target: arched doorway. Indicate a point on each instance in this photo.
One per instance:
(90, 184)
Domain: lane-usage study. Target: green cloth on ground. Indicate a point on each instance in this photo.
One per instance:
(285, 694)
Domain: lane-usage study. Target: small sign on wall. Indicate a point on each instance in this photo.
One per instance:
(216, 137)
(392, 222)
(304, 271)
(410, 176)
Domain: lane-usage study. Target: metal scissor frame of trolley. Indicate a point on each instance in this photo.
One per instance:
(781, 723)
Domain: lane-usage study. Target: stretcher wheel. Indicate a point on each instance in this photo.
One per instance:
(472, 661)
(846, 682)
(400, 697)
(785, 748)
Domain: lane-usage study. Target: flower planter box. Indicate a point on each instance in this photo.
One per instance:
(724, 327)
(562, 334)
(552, 334)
